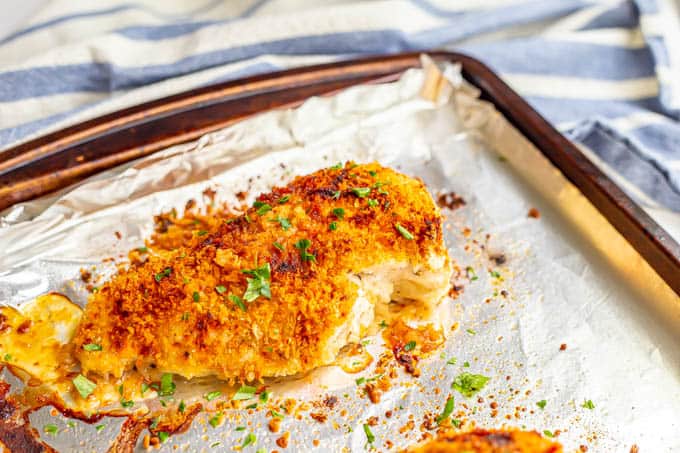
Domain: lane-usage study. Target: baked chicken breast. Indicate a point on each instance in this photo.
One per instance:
(278, 290)
(482, 441)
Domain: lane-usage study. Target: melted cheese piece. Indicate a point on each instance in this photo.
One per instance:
(36, 337)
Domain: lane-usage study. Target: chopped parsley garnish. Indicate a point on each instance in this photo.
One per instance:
(372, 173)
(495, 274)
(337, 166)
(588, 404)
(127, 403)
(383, 324)
(246, 392)
(51, 429)
(196, 296)
(142, 249)
(221, 289)
(451, 361)
(466, 364)
(181, 407)
(185, 316)
(261, 450)
(542, 404)
(215, 444)
(303, 245)
(154, 423)
(276, 414)
(469, 384)
(410, 346)
(238, 302)
(363, 380)
(361, 192)
(333, 226)
(145, 387)
(240, 428)
(212, 395)
(161, 275)
(284, 222)
(336, 194)
(249, 440)
(339, 213)
(279, 246)
(456, 422)
(264, 396)
(470, 272)
(448, 409)
(99, 427)
(403, 231)
(167, 386)
(263, 208)
(163, 436)
(84, 386)
(202, 233)
(7, 357)
(548, 433)
(252, 406)
(71, 424)
(284, 199)
(92, 347)
(471, 331)
(372, 202)
(369, 434)
(258, 285)
(215, 420)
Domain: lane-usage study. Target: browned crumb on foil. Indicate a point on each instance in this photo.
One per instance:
(483, 441)
(450, 200)
(534, 213)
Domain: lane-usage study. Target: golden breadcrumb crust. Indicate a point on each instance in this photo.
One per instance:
(482, 441)
(173, 312)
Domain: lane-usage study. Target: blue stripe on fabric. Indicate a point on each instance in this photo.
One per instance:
(103, 77)
(573, 59)
(623, 15)
(16, 133)
(124, 7)
(59, 20)
(13, 134)
(50, 80)
(168, 31)
(479, 22)
(436, 10)
(629, 160)
(558, 110)
(158, 32)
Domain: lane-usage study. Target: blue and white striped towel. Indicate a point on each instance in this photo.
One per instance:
(606, 72)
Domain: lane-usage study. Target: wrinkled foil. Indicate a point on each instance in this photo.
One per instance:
(568, 277)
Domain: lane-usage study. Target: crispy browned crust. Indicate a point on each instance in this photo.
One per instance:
(157, 326)
(482, 441)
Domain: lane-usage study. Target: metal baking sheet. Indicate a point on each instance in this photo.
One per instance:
(568, 277)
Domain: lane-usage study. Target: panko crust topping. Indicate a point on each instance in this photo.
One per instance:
(261, 294)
